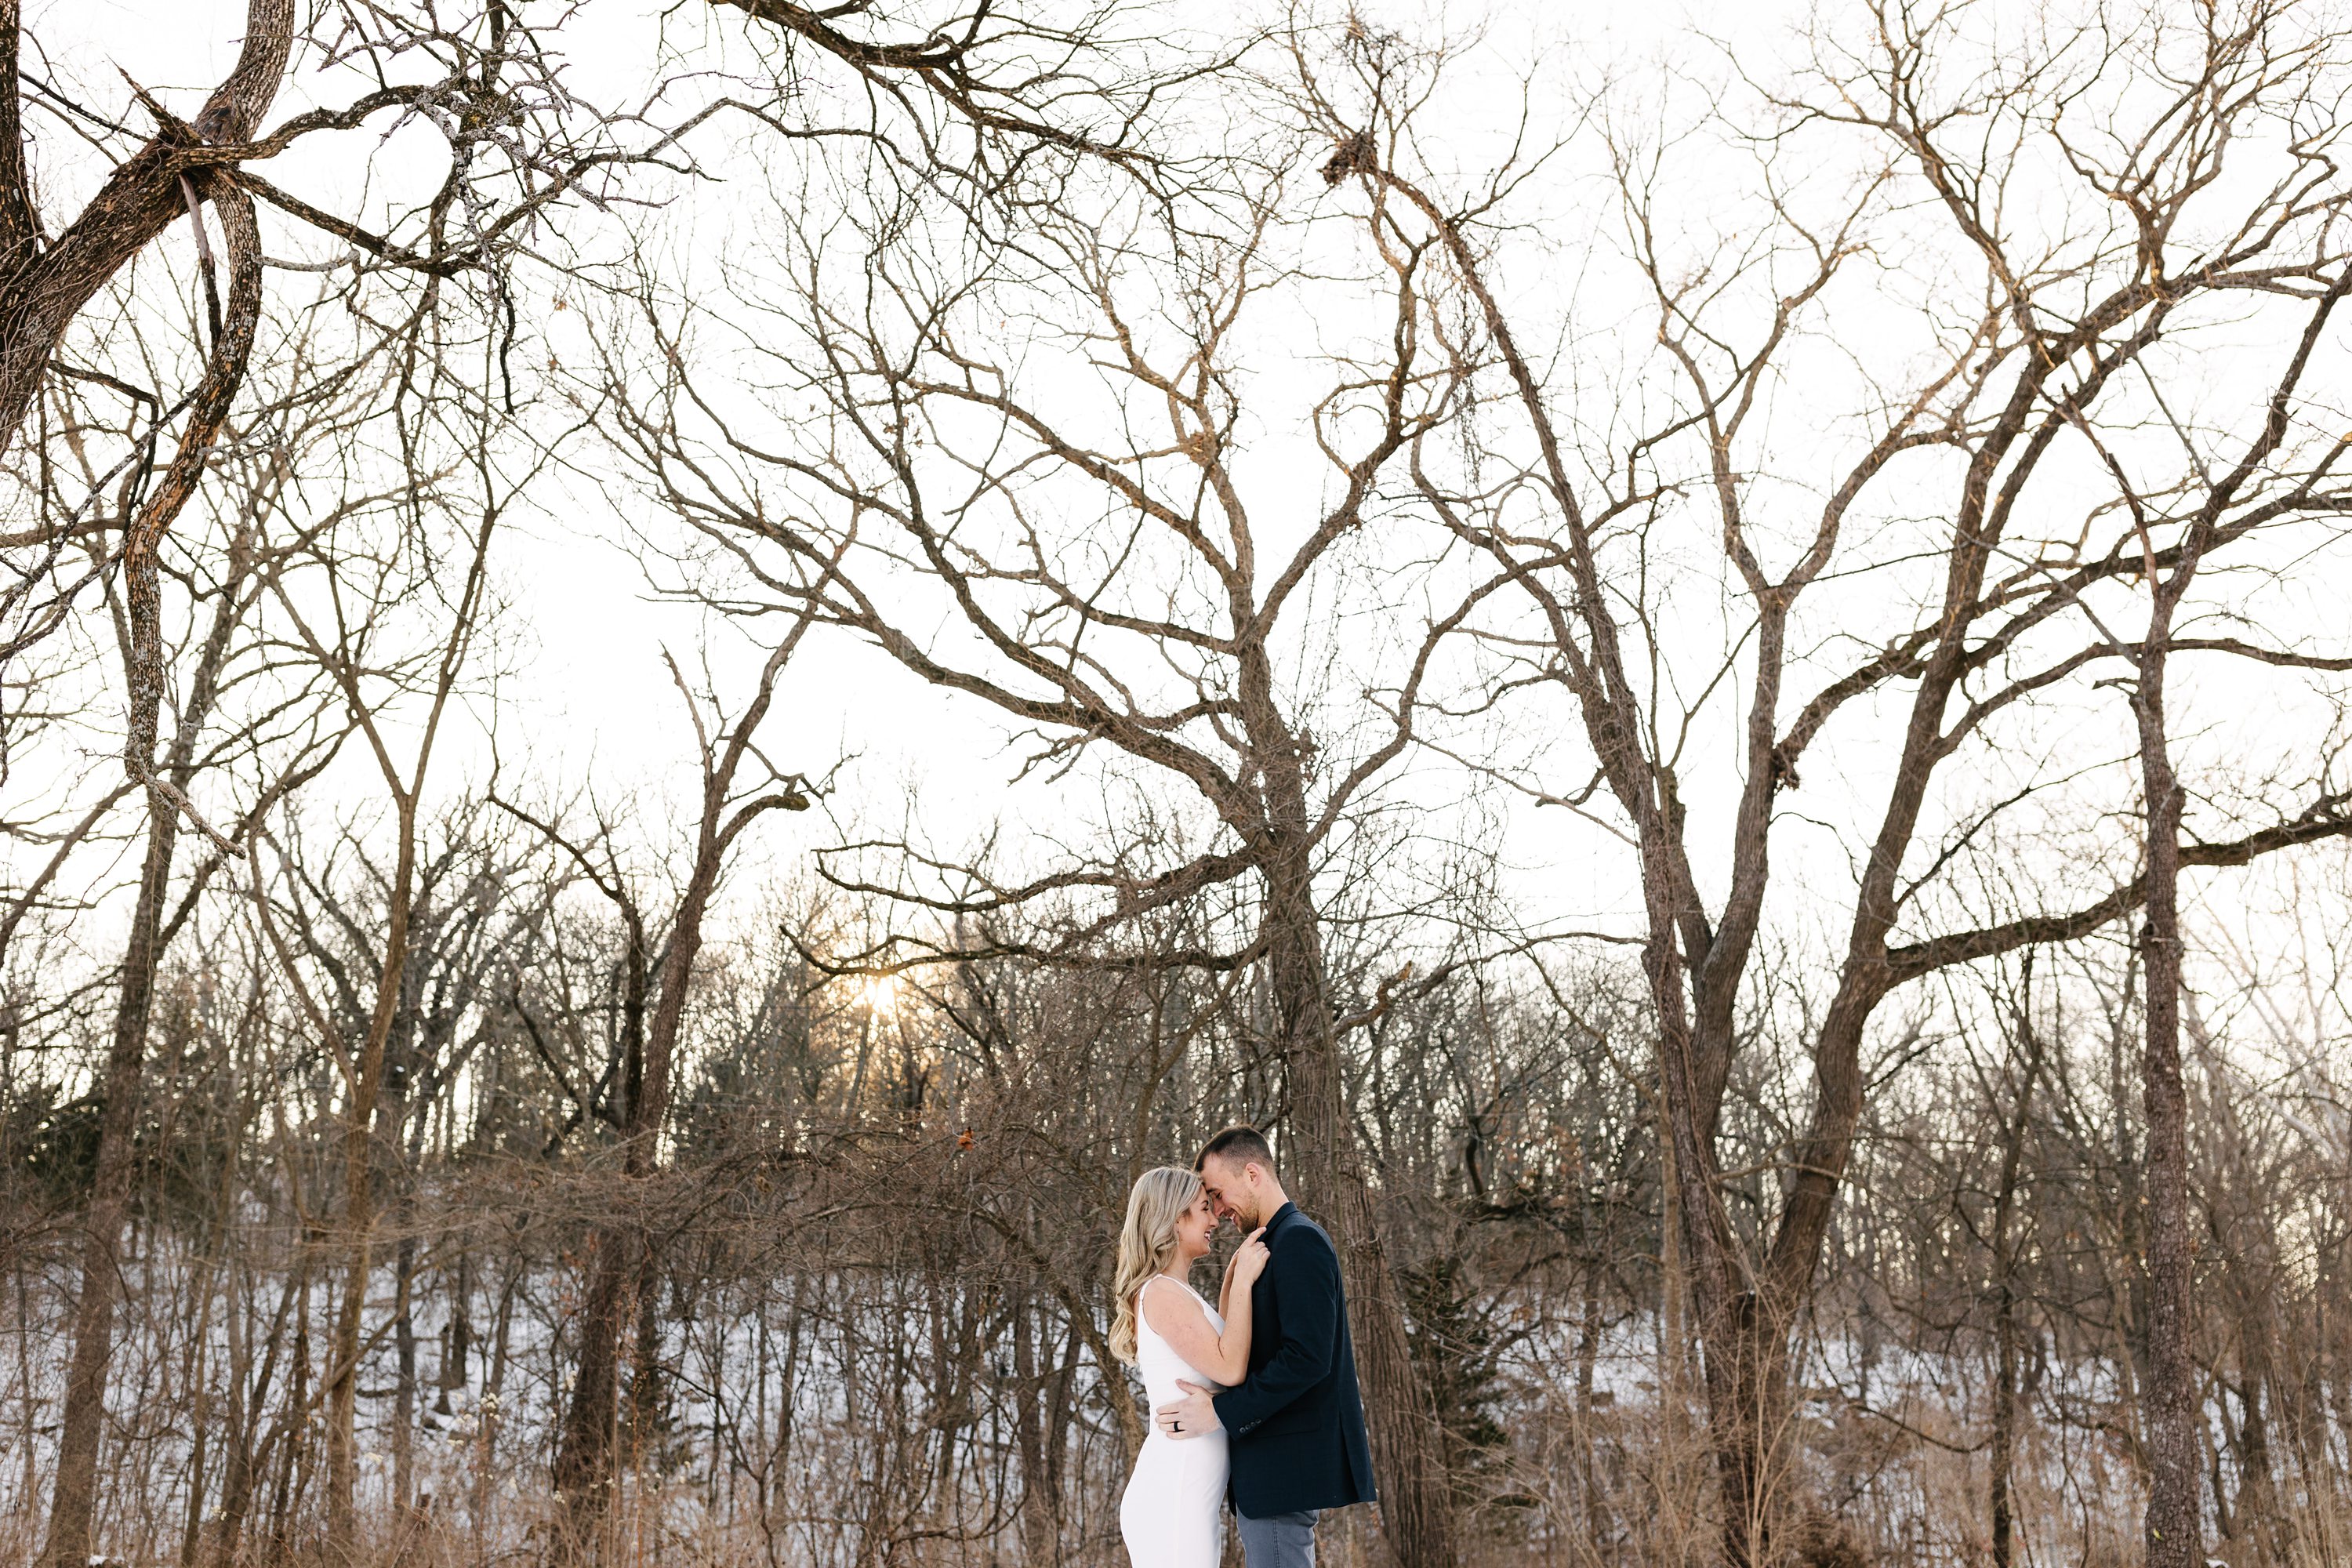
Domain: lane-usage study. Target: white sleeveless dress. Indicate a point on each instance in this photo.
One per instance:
(1172, 1515)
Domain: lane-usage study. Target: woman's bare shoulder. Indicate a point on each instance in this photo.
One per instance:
(1166, 1309)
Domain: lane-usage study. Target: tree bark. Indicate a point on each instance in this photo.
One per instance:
(1416, 1502)
(44, 288)
(2172, 1393)
(1036, 1425)
(74, 1497)
(584, 1461)
(2175, 1434)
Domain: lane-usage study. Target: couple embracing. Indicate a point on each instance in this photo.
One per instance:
(1253, 1398)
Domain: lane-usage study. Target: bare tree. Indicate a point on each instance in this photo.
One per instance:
(2007, 1275)
(44, 286)
(2052, 352)
(2176, 1422)
(657, 983)
(347, 630)
(74, 1494)
(520, 144)
(1166, 633)
(1767, 475)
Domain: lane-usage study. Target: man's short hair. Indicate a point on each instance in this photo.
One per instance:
(1241, 1145)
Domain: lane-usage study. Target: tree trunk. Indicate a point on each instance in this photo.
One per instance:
(485, 1441)
(2174, 1429)
(458, 1334)
(74, 1499)
(404, 1399)
(364, 1068)
(359, 1206)
(584, 1457)
(1748, 1418)
(294, 1459)
(648, 1391)
(2172, 1397)
(1416, 1504)
(2002, 1444)
(1033, 1416)
(584, 1461)
(44, 288)
(1742, 1326)
(1587, 1358)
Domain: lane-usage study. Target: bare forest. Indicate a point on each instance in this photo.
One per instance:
(677, 680)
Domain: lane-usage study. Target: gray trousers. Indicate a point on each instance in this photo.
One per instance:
(1283, 1540)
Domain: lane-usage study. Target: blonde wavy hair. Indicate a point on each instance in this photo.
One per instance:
(1145, 1242)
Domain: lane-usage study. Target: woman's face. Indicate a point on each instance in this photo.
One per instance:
(1194, 1226)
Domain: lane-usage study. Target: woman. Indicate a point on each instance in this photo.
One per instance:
(1163, 1328)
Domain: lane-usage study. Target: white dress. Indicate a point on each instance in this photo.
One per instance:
(1172, 1514)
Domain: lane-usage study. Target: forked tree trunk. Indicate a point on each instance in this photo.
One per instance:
(363, 1068)
(43, 287)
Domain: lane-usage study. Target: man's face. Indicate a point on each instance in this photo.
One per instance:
(1231, 1191)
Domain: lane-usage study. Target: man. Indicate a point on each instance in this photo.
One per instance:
(1295, 1423)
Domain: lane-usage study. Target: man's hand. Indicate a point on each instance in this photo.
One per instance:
(1191, 1416)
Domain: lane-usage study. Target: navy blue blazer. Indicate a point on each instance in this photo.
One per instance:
(1296, 1424)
